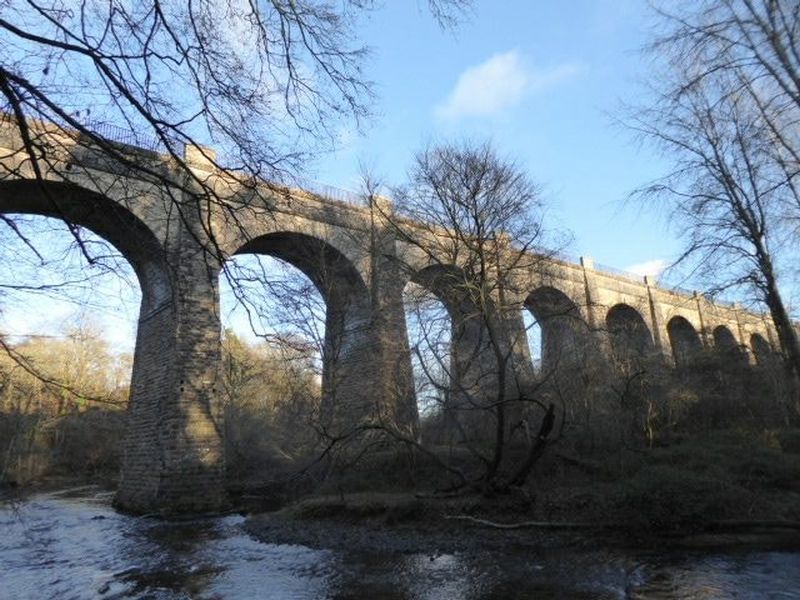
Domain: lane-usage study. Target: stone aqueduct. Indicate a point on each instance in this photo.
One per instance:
(173, 455)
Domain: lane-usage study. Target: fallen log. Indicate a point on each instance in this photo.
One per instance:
(533, 524)
(752, 524)
(730, 524)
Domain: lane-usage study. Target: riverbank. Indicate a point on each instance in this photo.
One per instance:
(403, 523)
(721, 489)
(55, 482)
(372, 523)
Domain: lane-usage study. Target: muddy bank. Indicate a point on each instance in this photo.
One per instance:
(372, 523)
(389, 523)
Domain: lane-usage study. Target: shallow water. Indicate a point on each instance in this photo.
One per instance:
(73, 545)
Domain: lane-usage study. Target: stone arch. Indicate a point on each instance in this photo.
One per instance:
(449, 283)
(725, 343)
(334, 275)
(104, 217)
(478, 333)
(472, 362)
(684, 340)
(348, 246)
(724, 339)
(761, 348)
(429, 324)
(347, 350)
(565, 334)
(629, 333)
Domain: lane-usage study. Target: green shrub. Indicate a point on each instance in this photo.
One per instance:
(666, 498)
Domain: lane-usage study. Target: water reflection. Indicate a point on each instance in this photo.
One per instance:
(743, 575)
(56, 546)
(74, 546)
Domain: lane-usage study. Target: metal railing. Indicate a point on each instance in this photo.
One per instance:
(675, 288)
(122, 135)
(566, 257)
(151, 143)
(618, 272)
(331, 192)
(719, 301)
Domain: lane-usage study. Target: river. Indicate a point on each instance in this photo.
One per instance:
(72, 545)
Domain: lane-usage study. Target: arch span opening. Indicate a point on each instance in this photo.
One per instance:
(630, 336)
(564, 335)
(55, 277)
(273, 340)
(461, 361)
(430, 326)
(762, 349)
(473, 371)
(108, 220)
(684, 341)
(725, 344)
(445, 332)
(295, 302)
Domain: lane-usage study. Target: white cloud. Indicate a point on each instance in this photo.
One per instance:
(499, 83)
(654, 267)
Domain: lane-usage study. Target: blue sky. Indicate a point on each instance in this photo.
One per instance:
(544, 81)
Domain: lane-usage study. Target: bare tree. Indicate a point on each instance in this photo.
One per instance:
(474, 220)
(60, 402)
(271, 394)
(723, 110)
(755, 44)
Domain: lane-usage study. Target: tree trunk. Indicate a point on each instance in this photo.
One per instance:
(787, 336)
